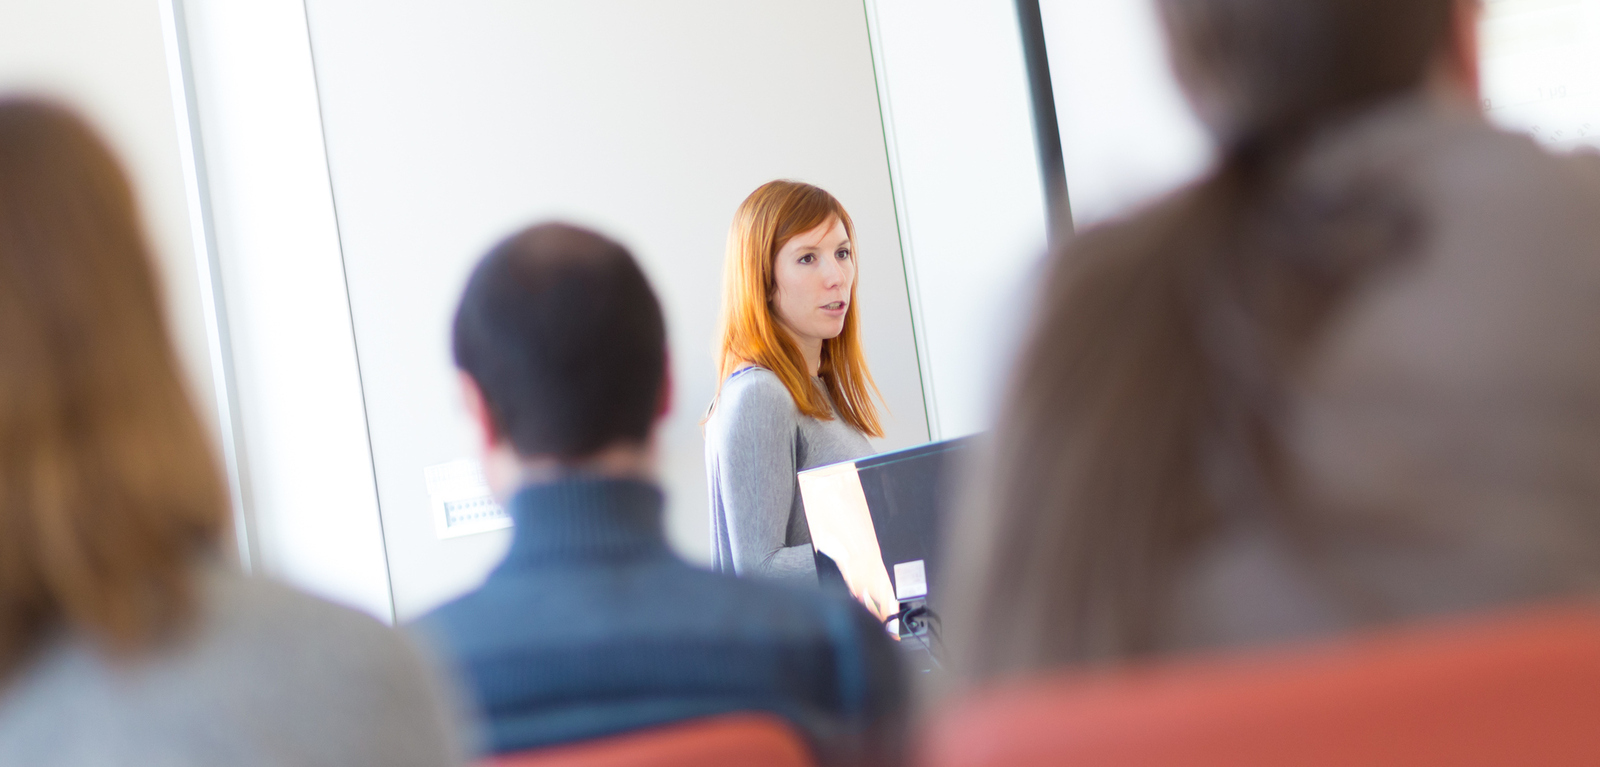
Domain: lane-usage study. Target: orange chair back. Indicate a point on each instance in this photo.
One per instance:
(1520, 689)
(733, 740)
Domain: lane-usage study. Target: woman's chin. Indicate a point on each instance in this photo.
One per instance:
(822, 330)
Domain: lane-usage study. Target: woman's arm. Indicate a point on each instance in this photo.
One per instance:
(755, 454)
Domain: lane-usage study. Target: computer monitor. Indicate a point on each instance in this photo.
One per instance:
(876, 521)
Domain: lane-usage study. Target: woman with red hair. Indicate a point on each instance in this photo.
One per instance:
(794, 389)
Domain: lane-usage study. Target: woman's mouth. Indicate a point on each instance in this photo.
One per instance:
(836, 307)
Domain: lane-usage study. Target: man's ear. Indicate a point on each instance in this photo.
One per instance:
(489, 436)
(1465, 16)
(664, 405)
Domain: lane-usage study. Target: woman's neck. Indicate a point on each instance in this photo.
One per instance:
(811, 349)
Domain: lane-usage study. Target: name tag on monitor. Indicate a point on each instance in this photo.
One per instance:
(910, 580)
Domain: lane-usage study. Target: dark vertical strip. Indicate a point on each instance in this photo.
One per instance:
(1046, 131)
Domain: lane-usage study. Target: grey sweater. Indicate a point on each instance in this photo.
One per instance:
(271, 677)
(756, 441)
(1445, 436)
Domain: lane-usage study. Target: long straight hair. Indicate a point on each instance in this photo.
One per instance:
(750, 334)
(1147, 405)
(108, 488)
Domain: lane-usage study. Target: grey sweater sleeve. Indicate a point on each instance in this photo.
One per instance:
(755, 433)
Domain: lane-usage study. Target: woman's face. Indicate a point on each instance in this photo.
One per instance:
(812, 277)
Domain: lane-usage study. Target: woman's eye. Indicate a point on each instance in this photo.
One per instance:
(807, 258)
(843, 255)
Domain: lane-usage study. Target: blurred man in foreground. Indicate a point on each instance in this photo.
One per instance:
(592, 626)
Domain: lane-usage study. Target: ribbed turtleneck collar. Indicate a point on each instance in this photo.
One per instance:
(585, 518)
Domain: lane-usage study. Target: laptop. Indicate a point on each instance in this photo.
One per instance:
(875, 525)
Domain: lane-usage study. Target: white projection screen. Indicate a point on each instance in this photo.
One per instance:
(449, 125)
(1541, 69)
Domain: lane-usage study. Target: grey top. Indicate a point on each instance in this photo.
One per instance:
(1445, 437)
(756, 441)
(270, 677)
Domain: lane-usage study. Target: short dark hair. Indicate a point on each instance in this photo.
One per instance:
(562, 333)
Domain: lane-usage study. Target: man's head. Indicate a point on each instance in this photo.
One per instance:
(562, 346)
(1259, 71)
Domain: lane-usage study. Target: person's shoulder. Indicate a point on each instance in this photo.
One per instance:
(751, 392)
(1477, 160)
(280, 627)
(448, 628)
(272, 606)
(1492, 189)
(755, 384)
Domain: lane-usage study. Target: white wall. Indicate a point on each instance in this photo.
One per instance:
(106, 59)
(437, 126)
(302, 441)
(1127, 133)
(432, 160)
(450, 125)
(954, 93)
(309, 476)
(116, 61)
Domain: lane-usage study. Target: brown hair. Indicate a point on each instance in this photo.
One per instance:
(771, 216)
(108, 486)
(1146, 404)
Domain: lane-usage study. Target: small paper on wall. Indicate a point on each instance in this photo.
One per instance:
(461, 501)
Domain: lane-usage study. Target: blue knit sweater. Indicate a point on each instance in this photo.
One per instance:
(591, 626)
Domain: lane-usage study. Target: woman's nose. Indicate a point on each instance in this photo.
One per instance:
(833, 275)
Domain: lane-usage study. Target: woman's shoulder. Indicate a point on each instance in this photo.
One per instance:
(754, 389)
(753, 404)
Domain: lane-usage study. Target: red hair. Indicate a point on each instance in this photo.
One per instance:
(771, 216)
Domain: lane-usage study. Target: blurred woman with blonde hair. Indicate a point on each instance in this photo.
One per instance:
(124, 637)
(794, 387)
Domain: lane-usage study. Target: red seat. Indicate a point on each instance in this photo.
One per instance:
(1515, 689)
(733, 740)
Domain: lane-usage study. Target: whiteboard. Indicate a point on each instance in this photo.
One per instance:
(449, 125)
(1541, 69)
